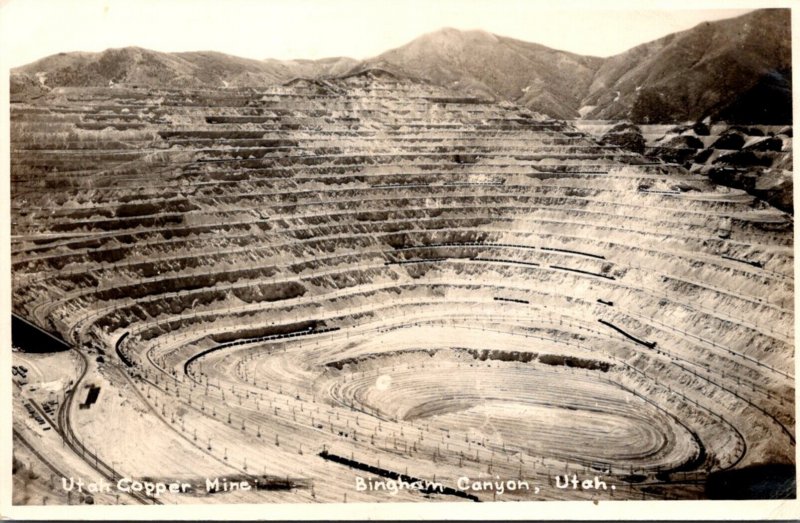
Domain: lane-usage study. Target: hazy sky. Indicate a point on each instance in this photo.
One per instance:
(32, 29)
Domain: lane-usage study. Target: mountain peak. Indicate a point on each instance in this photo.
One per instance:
(451, 34)
(475, 33)
(716, 69)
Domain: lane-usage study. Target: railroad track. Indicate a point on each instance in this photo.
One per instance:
(67, 433)
(19, 437)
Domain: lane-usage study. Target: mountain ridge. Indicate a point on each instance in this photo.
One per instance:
(738, 69)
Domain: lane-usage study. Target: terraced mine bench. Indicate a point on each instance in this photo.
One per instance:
(405, 278)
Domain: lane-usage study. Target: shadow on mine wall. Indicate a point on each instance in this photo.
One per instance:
(30, 338)
(768, 481)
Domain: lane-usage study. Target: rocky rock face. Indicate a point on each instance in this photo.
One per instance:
(625, 135)
(756, 159)
(701, 129)
(767, 144)
(731, 139)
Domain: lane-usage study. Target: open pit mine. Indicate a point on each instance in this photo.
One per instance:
(373, 289)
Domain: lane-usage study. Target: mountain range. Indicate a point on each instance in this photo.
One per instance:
(737, 70)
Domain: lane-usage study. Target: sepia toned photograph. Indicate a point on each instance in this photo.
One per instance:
(356, 254)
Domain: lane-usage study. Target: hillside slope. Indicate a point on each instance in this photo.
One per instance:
(738, 69)
(137, 66)
(542, 79)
